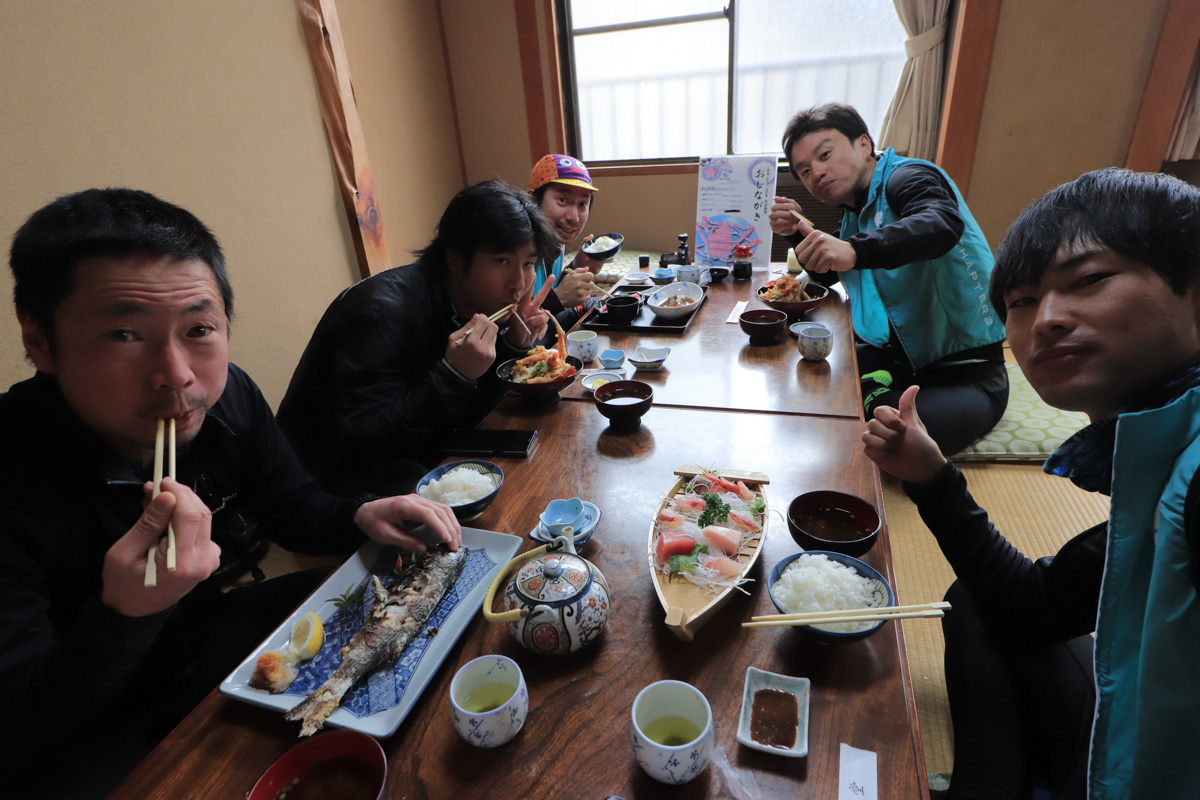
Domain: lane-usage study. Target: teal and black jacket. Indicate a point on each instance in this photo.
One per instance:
(923, 266)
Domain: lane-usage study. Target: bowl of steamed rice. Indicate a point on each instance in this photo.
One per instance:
(468, 487)
(821, 580)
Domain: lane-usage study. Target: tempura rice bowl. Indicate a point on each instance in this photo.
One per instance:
(804, 582)
(468, 487)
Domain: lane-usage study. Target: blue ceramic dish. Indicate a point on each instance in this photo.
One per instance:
(611, 359)
(560, 514)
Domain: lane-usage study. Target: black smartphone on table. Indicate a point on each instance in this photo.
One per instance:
(490, 442)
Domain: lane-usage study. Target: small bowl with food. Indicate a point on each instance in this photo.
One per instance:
(468, 486)
(597, 379)
(649, 359)
(762, 325)
(624, 403)
(604, 247)
(828, 520)
(790, 296)
(822, 580)
(774, 716)
(676, 301)
(333, 764)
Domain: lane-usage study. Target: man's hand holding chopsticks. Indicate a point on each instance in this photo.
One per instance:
(471, 349)
(197, 555)
(391, 520)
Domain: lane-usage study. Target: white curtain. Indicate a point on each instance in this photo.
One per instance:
(912, 120)
(1185, 141)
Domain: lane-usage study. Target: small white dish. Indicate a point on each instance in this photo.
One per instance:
(637, 278)
(649, 359)
(798, 687)
(691, 291)
(597, 379)
(592, 514)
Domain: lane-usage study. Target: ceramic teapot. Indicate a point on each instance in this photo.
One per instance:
(555, 603)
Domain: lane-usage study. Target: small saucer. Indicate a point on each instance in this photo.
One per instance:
(797, 687)
(592, 514)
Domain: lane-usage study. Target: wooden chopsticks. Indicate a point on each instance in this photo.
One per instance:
(491, 318)
(151, 569)
(918, 611)
(802, 218)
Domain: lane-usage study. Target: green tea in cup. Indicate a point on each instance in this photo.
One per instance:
(672, 731)
(488, 697)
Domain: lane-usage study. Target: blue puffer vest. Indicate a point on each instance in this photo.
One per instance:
(936, 307)
(1145, 741)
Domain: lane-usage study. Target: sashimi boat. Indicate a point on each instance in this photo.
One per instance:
(706, 535)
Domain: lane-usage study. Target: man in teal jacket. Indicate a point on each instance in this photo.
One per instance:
(915, 265)
(1097, 283)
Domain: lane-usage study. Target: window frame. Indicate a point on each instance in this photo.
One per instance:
(566, 65)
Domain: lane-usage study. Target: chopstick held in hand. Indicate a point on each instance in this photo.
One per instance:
(151, 568)
(491, 318)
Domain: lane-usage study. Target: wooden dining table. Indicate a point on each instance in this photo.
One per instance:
(577, 740)
(714, 365)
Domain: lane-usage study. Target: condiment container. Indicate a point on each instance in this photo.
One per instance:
(742, 266)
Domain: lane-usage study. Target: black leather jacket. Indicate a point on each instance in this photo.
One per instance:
(372, 399)
(71, 668)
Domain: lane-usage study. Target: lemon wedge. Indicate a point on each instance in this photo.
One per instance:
(307, 635)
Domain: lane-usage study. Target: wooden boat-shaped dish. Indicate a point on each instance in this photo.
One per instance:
(687, 606)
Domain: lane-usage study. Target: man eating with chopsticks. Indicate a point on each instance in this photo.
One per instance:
(403, 358)
(124, 307)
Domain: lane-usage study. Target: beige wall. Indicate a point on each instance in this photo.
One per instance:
(1064, 89)
(481, 37)
(209, 105)
(213, 106)
(397, 65)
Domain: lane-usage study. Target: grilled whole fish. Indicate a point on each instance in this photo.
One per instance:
(396, 618)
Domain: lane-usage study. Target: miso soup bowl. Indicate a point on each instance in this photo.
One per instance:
(638, 398)
(854, 531)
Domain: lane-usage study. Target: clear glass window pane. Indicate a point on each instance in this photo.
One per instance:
(653, 93)
(795, 54)
(593, 13)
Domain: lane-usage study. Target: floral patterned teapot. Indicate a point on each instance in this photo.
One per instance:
(557, 601)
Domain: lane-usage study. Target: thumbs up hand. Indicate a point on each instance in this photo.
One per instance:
(897, 442)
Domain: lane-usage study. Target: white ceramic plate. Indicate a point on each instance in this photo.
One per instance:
(378, 704)
(799, 687)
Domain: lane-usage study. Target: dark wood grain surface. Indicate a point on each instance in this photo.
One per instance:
(715, 366)
(577, 739)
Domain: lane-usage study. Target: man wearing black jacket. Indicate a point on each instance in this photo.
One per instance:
(124, 307)
(915, 264)
(401, 359)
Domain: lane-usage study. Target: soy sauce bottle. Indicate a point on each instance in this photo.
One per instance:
(742, 265)
(681, 253)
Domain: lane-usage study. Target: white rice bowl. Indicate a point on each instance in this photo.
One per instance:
(458, 487)
(818, 583)
(601, 244)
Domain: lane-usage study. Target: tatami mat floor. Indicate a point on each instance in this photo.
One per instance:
(1035, 511)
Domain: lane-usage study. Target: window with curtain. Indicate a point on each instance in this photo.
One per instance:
(657, 80)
